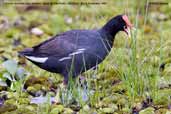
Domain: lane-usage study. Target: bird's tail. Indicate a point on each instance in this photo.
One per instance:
(30, 54)
(26, 52)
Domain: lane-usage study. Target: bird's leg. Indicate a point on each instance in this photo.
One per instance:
(65, 82)
(68, 80)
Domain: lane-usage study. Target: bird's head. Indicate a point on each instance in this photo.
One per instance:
(127, 25)
(118, 23)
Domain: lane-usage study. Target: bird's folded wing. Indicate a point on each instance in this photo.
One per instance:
(57, 46)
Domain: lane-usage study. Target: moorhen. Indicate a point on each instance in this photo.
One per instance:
(76, 51)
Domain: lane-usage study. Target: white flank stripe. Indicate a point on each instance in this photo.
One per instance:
(64, 58)
(77, 52)
(37, 59)
(81, 49)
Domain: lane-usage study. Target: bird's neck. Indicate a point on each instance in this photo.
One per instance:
(110, 30)
(107, 35)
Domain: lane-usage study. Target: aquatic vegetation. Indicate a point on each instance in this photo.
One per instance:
(13, 75)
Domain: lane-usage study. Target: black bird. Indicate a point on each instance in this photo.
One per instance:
(73, 52)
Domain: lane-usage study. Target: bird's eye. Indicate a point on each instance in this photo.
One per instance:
(125, 27)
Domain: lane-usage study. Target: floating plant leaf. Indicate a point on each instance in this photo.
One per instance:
(10, 66)
(7, 76)
(20, 73)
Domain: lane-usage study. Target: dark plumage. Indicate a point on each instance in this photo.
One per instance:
(75, 51)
